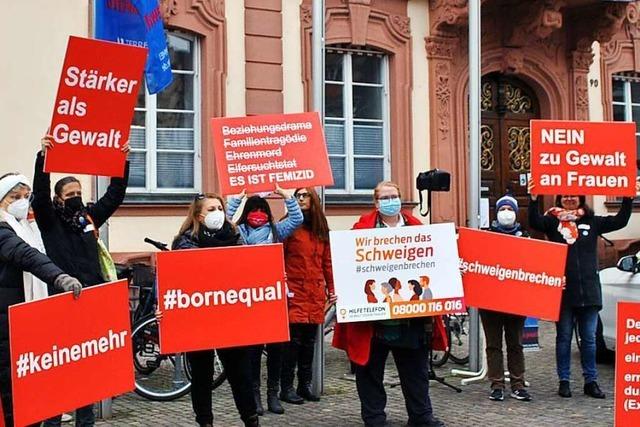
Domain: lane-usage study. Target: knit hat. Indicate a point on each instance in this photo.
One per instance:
(507, 200)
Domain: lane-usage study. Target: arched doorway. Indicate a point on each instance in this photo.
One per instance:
(507, 106)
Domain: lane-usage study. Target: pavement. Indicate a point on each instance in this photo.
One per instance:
(340, 405)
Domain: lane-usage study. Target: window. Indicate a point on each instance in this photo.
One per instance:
(626, 101)
(356, 119)
(165, 133)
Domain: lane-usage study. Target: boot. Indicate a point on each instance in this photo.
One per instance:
(304, 391)
(593, 389)
(273, 403)
(564, 389)
(258, 399)
(252, 421)
(289, 395)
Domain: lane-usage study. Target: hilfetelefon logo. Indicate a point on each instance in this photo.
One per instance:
(364, 312)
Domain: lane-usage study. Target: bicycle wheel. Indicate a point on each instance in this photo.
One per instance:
(439, 358)
(459, 339)
(219, 375)
(161, 377)
(329, 320)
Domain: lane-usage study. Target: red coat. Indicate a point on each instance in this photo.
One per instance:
(355, 338)
(309, 276)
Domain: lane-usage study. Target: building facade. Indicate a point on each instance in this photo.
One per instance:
(396, 88)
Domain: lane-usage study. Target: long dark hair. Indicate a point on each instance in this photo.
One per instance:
(582, 204)
(255, 203)
(367, 287)
(317, 219)
(417, 289)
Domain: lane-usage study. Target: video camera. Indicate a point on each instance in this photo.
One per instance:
(432, 180)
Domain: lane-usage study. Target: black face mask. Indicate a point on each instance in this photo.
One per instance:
(73, 205)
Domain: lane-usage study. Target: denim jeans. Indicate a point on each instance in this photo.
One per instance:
(84, 418)
(587, 319)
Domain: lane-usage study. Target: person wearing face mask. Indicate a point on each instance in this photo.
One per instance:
(69, 231)
(25, 271)
(307, 258)
(257, 227)
(206, 226)
(571, 221)
(497, 324)
(368, 344)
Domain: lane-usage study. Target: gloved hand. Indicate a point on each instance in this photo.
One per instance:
(66, 283)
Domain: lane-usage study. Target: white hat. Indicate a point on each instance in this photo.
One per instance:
(9, 182)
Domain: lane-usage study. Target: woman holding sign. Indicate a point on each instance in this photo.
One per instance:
(257, 227)
(20, 266)
(70, 233)
(572, 221)
(368, 344)
(207, 226)
(307, 258)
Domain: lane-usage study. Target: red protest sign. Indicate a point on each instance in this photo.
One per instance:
(80, 354)
(583, 158)
(97, 93)
(259, 151)
(627, 379)
(525, 276)
(220, 302)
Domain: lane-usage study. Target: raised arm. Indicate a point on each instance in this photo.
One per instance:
(294, 219)
(232, 207)
(609, 223)
(540, 222)
(42, 204)
(112, 199)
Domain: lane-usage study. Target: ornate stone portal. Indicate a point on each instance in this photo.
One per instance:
(544, 43)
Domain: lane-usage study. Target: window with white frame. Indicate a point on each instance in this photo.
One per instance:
(356, 119)
(626, 101)
(165, 133)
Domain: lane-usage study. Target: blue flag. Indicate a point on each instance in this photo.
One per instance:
(137, 23)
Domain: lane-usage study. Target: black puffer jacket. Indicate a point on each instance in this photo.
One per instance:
(583, 282)
(76, 253)
(15, 257)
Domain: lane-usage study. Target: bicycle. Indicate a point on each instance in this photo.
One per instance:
(456, 327)
(158, 377)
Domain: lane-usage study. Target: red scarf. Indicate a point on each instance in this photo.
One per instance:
(567, 222)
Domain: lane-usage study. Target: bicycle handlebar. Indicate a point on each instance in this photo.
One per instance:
(159, 245)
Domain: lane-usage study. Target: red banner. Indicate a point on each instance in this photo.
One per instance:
(627, 380)
(223, 297)
(259, 151)
(1, 416)
(97, 93)
(68, 353)
(583, 158)
(518, 275)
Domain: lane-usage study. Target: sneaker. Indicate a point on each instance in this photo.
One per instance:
(497, 394)
(593, 389)
(564, 389)
(521, 394)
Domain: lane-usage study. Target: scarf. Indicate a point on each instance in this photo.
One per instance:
(226, 236)
(506, 230)
(257, 236)
(567, 222)
(34, 288)
(76, 221)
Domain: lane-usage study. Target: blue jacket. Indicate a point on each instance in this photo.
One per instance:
(284, 228)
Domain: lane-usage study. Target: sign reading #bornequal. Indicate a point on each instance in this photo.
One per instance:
(392, 273)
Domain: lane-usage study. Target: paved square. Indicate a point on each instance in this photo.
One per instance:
(340, 405)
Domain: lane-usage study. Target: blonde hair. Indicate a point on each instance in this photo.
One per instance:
(191, 221)
(376, 191)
